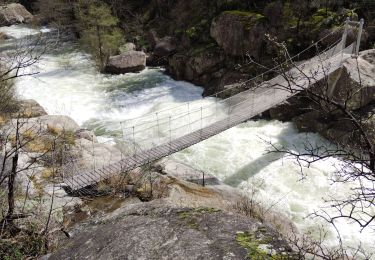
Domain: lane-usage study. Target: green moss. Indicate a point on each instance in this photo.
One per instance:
(323, 18)
(192, 32)
(178, 33)
(198, 211)
(249, 19)
(246, 14)
(251, 243)
(198, 29)
(289, 16)
(142, 42)
(190, 217)
(23, 246)
(203, 48)
(207, 210)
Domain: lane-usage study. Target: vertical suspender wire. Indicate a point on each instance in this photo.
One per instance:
(216, 112)
(157, 121)
(274, 95)
(123, 142)
(344, 36)
(252, 103)
(201, 122)
(62, 159)
(229, 106)
(93, 153)
(134, 146)
(360, 30)
(188, 104)
(170, 135)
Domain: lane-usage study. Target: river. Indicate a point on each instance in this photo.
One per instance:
(67, 83)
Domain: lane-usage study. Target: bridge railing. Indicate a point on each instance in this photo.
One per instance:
(163, 127)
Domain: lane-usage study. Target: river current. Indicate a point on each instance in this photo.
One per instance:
(68, 83)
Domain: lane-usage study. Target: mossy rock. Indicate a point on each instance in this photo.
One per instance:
(248, 18)
(261, 246)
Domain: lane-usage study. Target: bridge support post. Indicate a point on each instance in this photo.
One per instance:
(359, 36)
(345, 34)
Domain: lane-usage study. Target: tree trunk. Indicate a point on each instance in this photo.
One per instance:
(11, 181)
(101, 55)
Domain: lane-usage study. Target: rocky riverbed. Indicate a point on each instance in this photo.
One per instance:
(161, 206)
(213, 62)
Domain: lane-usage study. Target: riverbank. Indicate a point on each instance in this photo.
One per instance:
(69, 84)
(169, 189)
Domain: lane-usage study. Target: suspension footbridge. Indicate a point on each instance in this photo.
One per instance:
(157, 135)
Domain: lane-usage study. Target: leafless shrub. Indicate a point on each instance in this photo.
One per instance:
(356, 151)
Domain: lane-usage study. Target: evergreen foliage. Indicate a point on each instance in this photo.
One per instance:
(100, 35)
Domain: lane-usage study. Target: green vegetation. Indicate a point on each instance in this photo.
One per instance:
(257, 16)
(248, 18)
(26, 245)
(252, 244)
(190, 217)
(8, 102)
(203, 48)
(100, 35)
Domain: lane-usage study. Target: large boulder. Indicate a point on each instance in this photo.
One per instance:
(187, 173)
(178, 67)
(165, 47)
(30, 108)
(52, 124)
(89, 155)
(129, 46)
(131, 61)
(13, 14)
(239, 33)
(290, 109)
(200, 68)
(156, 230)
(152, 37)
(58, 123)
(194, 66)
(355, 82)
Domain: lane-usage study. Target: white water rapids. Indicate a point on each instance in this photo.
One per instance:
(69, 84)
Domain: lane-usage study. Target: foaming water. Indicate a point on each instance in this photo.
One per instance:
(239, 158)
(18, 31)
(68, 83)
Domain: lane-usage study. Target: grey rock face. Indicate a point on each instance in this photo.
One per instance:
(239, 33)
(129, 46)
(13, 14)
(30, 108)
(90, 155)
(43, 124)
(131, 61)
(165, 46)
(158, 231)
(86, 134)
(354, 84)
(187, 173)
(358, 79)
